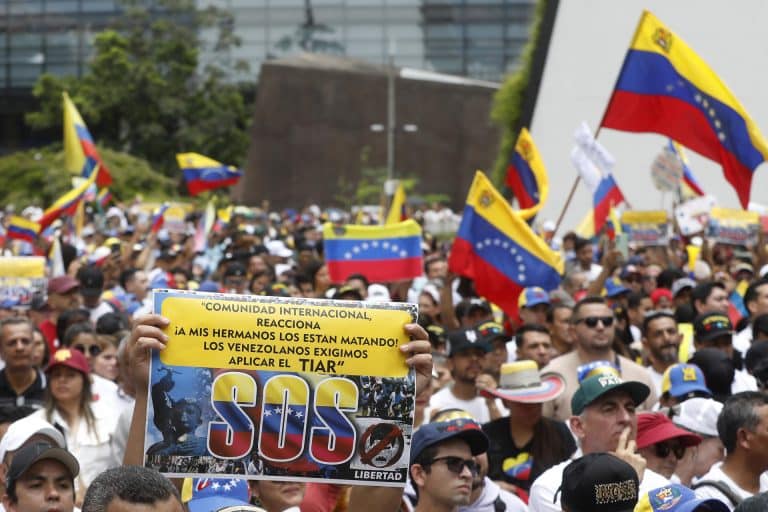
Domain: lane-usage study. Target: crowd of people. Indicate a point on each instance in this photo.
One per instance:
(637, 384)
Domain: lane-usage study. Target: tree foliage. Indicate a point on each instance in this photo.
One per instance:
(39, 178)
(508, 101)
(146, 91)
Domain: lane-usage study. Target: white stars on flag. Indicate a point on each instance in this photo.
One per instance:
(708, 109)
(389, 247)
(506, 249)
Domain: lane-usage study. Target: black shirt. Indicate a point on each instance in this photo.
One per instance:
(515, 465)
(33, 396)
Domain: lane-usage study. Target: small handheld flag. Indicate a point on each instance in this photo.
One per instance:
(20, 228)
(80, 154)
(202, 173)
(527, 176)
(158, 219)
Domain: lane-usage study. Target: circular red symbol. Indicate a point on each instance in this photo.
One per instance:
(381, 445)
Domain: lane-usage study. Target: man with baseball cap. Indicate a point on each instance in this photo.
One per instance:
(466, 353)
(442, 465)
(533, 304)
(698, 415)
(63, 295)
(91, 287)
(599, 482)
(677, 498)
(714, 330)
(681, 382)
(603, 420)
(661, 443)
(41, 477)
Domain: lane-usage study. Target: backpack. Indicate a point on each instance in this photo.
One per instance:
(720, 486)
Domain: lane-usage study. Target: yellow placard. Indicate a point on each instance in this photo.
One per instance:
(22, 266)
(286, 335)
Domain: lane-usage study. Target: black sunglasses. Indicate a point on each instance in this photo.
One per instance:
(592, 321)
(457, 464)
(93, 350)
(664, 449)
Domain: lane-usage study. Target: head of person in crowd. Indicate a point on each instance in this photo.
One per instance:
(63, 294)
(181, 277)
(436, 267)
(534, 343)
(756, 298)
(429, 302)
(650, 276)
(638, 306)
(584, 253)
(359, 282)
(347, 293)
(710, 297)
(473, 311)
(661, 340)
(82, 337)
(40, 350)
(633, 278)
(493, 336)
(277, 496)
(235, 279)
(91, 280)
(616, 292)
(256, 265)
(441, 376)
(756, 360)
(135, 282)
(127, 488)
(599, 482)
(320, 279)
(533, 304)
(603, 408)
(466, 354)
(677, 498)
(443, 465)
(437, 336)
(104, 364)
(592, 326)
(217, 494)
(68, 318)
(699, 415)
(574, 282)
(661, 443)
(69, 386)
(260, 281)
(559, 326)
(16, 344)
(662, 299)
(682, 382)
(112, 324)
(681, 291)
(713, 330)
(41, 477)
(742, 270)
(718, 370)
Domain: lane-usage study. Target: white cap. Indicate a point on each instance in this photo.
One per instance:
(378, 293)
(282, 268)
(699, 415)
(763, 270)
(278, 248)
(21, 430)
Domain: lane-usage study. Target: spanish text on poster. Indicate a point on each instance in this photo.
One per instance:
(734, 227)
(281, 389)
(21, 277)
(646, 228)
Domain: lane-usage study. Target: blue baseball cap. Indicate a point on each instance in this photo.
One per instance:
(614, 287)
(461, 428)
(681, 379)
(532, 296)
(213, 494)
(677, 498)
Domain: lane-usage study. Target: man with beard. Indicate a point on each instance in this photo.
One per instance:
(661, 342)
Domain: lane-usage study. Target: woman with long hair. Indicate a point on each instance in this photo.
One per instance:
(69, 406)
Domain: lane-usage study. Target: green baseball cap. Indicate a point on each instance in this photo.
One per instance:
(594, 387)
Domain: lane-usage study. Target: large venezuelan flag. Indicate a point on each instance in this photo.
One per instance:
(20, 228)
(202, 173)
(527, 176)
(80, 154)
(499, 251)
(664, 87)
(381, 253)
(66, 204)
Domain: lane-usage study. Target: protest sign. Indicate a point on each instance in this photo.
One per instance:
(21, 277)
(734, 227)
(692, 216)
(281, 388)
(646, 228)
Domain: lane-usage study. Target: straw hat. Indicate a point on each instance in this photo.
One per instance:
(521, 382)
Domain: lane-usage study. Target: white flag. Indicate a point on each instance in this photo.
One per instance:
(588, 171)
(595, 151)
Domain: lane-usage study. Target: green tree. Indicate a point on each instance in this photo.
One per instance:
(147, 92)
(508, 101)
(39, 178)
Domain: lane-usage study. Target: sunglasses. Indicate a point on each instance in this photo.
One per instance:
(592, 321)
(664, 449)
(92, 350)
(457, 464)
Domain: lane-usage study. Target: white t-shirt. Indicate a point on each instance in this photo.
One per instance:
(542, 495)
(656, 378)
(742, 340)
(743, 381)
(716, 473)
(445, 399)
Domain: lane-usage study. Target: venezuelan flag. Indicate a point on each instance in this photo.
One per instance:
(499, 251)
(20, 228)
(104, 197)
(202, 173)
(664, 87)
(233, 436)
(80, 154)
(158, 219)
(284, 418)
(397, 211)
(606, 196)
(381, 253)
(689, 188)
(334, 437)
(527, 176)
(66, 204)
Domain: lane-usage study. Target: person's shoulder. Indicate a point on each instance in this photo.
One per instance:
(551, 477)
(561, 362)
(496, 427)
(630, 369)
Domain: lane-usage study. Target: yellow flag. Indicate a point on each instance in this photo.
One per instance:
(397, 209)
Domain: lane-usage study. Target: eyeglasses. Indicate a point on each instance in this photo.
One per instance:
(664, 449)
(457, 464)
(592, 321)
(92, 350)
